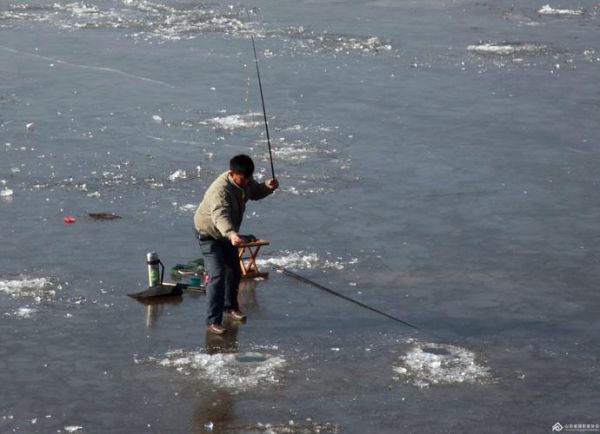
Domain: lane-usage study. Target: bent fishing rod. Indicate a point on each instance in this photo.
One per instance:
(262, 98)
(351, 300)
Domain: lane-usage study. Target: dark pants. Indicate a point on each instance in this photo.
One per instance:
(222, 264)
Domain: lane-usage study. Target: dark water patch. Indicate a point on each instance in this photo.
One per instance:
(104, 216)
(251, 358)
(436, 351)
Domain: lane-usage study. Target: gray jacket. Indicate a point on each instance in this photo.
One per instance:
(221, 211)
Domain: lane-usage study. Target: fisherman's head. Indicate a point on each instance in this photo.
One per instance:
(241, 168)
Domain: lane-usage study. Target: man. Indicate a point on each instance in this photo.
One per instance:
(217, 221)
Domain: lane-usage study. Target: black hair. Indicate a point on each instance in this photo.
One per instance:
(242, 164)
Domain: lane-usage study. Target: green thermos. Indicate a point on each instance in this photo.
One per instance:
(155, 276)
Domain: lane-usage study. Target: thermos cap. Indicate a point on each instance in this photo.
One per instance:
(152, 256)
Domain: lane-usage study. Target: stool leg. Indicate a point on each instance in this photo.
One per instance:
(243, 265)
(252, 261)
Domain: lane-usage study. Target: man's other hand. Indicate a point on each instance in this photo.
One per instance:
(236, 240)
(273, 184)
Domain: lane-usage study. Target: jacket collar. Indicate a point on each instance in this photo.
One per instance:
(230, 180)
(238, 189)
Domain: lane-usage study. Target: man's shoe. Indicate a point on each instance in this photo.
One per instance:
(237, 315)
(217, 329)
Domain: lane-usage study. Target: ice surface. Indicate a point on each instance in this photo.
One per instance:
(148, 20)
(342, 43)
(6, 192)
(239, 371)
(429, 363)
(73, 428)
(418, 142)
(167, 22)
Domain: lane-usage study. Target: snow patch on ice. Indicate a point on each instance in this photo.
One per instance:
(298, 153)
(504, 49)
(428, 363)
(307, 191)
(37, 288)
(188, 207)
(178, 174)
(303, 260)
(234, 122)
(294, 426)
(22, 312)
(549, 10)
(240, 371)
(301, 150)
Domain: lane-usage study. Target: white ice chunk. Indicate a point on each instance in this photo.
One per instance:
(24, 312)
(189, 207)
(233, 122)
(178, 174)
(36, 288)
(233, 371)
(301, 260)
(428, 363)
(549, 10)
(506, 49)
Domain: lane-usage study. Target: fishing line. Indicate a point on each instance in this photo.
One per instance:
(262, 98)
(337, 294)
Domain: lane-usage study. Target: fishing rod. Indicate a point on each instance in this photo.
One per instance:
(337, 294)
(262, 98)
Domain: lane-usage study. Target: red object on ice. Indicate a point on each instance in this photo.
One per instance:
(69, 219)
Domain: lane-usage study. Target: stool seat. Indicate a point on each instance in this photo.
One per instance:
(247, 252)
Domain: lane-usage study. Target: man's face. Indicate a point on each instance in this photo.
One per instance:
(240, 179)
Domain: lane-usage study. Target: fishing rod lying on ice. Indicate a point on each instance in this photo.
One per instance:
(351, 300)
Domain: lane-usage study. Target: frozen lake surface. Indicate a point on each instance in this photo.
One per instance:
(438, 161)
